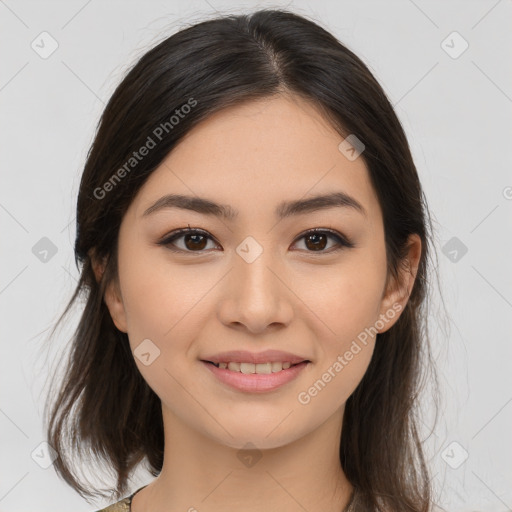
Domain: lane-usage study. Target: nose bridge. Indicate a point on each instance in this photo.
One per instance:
(252, 270)
(257, 296)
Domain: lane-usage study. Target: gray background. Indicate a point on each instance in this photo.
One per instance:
(456, 110)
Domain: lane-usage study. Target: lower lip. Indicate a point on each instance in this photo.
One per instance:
(256, 382)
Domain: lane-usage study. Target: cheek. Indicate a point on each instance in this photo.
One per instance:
(158, 306)
(347, 303)
(346, 298)
(349, 307)
(158, 297)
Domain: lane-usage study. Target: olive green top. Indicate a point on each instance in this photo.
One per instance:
(125, 505)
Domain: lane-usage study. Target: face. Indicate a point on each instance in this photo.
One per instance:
(258, 278)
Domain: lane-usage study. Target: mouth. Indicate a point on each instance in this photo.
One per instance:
(259, 368)
(255, 378)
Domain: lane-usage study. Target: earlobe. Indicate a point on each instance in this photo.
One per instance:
(115, 305)
(398, 292)
(112, 295)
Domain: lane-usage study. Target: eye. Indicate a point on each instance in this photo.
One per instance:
(316, 240)
(194, 240)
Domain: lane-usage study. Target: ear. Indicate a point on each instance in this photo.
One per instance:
(397, 292)
(113, 298)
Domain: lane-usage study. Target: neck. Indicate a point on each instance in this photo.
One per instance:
(201, 474)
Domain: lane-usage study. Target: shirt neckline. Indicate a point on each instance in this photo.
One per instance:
(130, 498)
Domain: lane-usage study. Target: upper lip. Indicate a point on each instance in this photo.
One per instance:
(243, 356)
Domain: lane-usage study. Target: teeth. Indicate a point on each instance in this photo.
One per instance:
(234, 366)
(261, 368)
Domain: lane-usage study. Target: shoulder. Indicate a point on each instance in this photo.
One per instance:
(120, 506)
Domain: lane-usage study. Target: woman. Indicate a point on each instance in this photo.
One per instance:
(254, 246)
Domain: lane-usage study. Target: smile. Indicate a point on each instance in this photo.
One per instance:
(247, 377)
(260, 368)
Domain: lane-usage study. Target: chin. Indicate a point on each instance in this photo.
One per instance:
(264, 435)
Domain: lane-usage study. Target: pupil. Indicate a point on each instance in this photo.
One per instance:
(316, 245)
(195, 243)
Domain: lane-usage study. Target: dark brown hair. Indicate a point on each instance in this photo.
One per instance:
(103, 406)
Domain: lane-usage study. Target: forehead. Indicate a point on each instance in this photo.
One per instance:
(254, 155)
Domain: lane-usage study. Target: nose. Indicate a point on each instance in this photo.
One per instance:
(256, 296)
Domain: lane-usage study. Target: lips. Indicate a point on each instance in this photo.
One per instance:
(254, 382)
(243, 356)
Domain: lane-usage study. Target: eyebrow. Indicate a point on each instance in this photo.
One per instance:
(284, 209)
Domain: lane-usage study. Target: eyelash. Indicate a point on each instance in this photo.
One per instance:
(343, 242)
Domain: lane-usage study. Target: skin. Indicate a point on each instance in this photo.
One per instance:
(293, 298)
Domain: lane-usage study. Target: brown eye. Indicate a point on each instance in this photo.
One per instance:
(193, 240)
(317, 240)
(196, 240)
